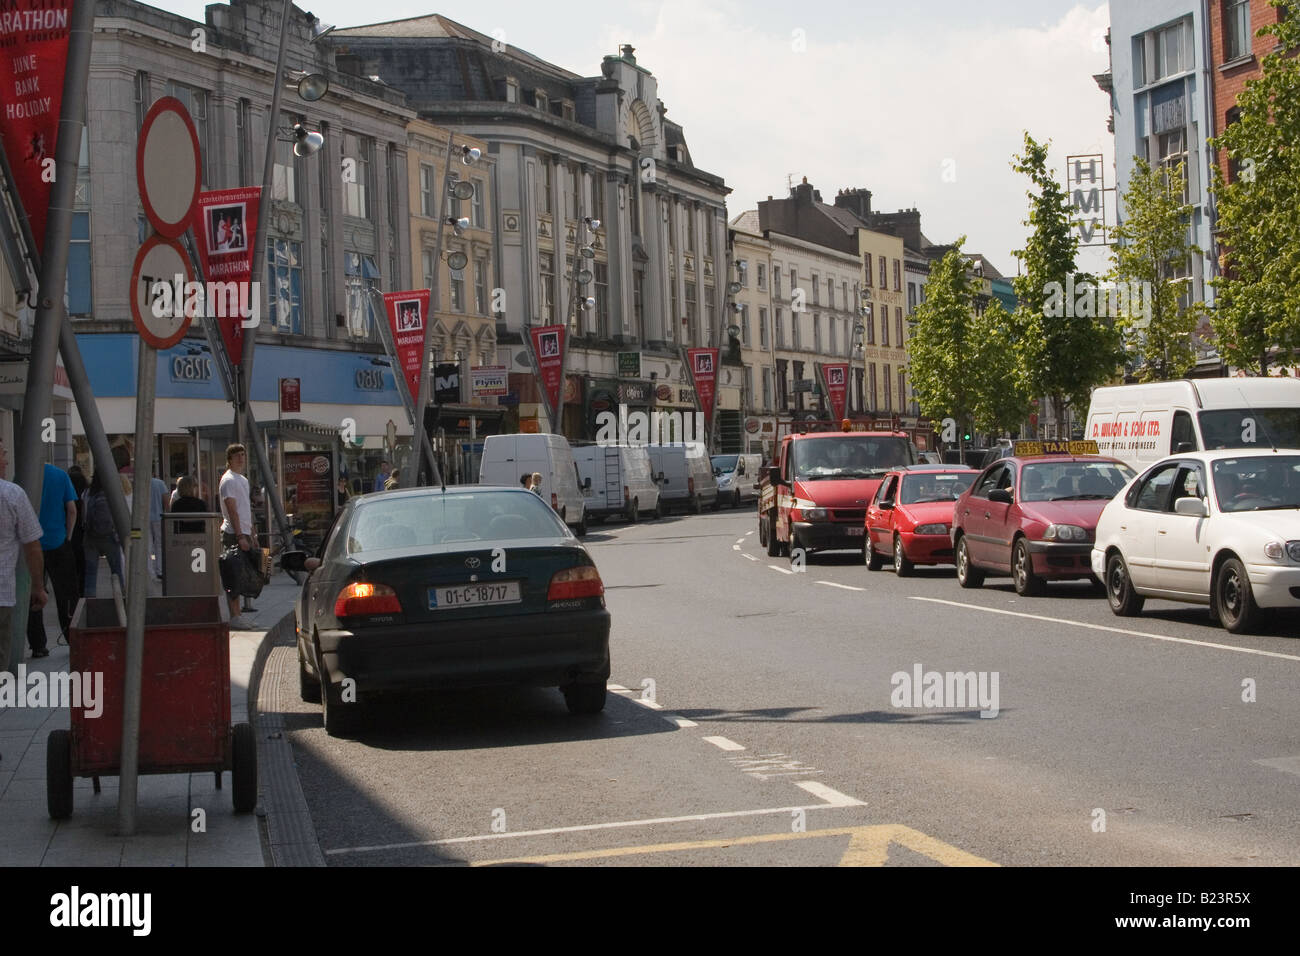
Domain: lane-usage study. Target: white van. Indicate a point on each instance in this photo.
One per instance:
(621, 483)
(506, 458)
(737, 477)
(1141, 424)
(688, 481)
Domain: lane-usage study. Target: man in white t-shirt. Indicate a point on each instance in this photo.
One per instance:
(237, 512)
(20, 532)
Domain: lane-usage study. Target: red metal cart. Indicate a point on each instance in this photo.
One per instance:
(185, 700)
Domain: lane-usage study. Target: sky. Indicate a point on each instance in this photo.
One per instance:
(923, 104)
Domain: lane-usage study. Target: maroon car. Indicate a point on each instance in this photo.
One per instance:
(909, 520)
(1034, 516)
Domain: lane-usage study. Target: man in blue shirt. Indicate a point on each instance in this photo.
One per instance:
(58, 517)
(383, 476)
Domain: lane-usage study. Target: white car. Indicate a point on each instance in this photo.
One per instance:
(1216, 527)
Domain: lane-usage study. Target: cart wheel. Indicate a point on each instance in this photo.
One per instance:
(58, 774)
(243, 768)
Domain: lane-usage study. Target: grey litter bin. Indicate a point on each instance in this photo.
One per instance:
(184, 535)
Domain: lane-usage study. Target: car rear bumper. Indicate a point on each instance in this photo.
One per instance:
(541, 650)
(927, 548)
(828, 535)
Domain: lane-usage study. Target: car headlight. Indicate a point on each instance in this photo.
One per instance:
(815, 514)
(932, 529)
(1274, 550)
(1064, 532)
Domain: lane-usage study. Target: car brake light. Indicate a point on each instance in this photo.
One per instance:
(580, 582)
(361, 598)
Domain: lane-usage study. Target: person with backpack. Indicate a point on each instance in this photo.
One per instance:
(101, 534)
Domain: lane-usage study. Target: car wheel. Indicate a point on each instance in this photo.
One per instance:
(1028, 584)
(1123, 600)
(581, 529)
(1238, 611)
(308, 686)
(634, 512)
(584, 698)
(968, 576)
(773, 545)
(870, 556)
(902, 566)
(762, 533)
(339, 717)
(659, 509)
(717, 503)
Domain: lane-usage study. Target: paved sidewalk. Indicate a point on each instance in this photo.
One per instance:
(164, 817)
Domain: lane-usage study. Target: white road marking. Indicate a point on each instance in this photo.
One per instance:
(748, 533)
(1114, 630)
(740, 541)
(1285, 764)
(735, 547)
(749, 556)
(832, 584)
(648, 703)
(722, 743)
(832, 797)
(782, 570)
(683, 722)
(617, 688)
(618, 824)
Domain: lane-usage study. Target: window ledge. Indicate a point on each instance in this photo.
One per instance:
(1233, 64)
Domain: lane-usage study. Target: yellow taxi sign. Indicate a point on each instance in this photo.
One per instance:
(1028, 449)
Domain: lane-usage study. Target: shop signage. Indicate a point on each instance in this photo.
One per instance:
(446, 383)
(191, 368)
(370, 379)
(634, 393)
(488, 380)
(629, 364)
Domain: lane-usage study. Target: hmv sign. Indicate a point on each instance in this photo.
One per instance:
(1085, 182)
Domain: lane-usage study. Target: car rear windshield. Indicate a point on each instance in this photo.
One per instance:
(1258, 483)
(435, 519)
(851, 456)
(918, 489)
(1251, 428)
(1073, 480)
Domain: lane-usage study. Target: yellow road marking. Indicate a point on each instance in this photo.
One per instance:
(868, 846)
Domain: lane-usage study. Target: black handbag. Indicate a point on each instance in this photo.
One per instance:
(244, 570)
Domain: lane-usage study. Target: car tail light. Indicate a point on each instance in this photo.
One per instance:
(361, 598)
(555, 502)
(690, 486)
(580, 582)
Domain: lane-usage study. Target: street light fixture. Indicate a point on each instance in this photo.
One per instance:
(456, 261)
(469, 155)
(306, 142)
(734, 288)
(311, 86)
(462, 189)
(458, 225)
(318, 28)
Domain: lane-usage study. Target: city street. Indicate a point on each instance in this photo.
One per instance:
(750, 722)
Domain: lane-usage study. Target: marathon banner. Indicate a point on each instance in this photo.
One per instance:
(835, 379)
(704, 373)
(225, 227)
(548, 346)
(33, 59)
(407, 313)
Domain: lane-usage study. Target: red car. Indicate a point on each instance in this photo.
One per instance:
(1034, 515)
(909, 519)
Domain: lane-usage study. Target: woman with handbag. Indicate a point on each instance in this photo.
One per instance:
(100, 538)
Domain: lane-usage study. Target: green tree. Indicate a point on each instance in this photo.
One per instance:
(1258, 304)
(1152, 243)
(1063, 348)
(959, 360)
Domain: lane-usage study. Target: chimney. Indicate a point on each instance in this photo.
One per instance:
(856, 201)
(804, 194)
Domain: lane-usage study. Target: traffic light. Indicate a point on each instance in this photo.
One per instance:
(966, 436)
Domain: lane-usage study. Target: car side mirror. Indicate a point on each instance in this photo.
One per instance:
(774, 475)
(887, 504)
(1194, 507)
(662, 478)
(1184, 447)
(1000, 495)
(298, 561)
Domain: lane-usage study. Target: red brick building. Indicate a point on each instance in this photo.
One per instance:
(1235, 54)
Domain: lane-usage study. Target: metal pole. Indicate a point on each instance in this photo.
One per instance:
(136, 585)
(422, 399)
(245, 362)
(572, 310)
(45, 335)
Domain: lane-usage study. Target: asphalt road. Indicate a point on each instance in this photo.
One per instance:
(752, 720)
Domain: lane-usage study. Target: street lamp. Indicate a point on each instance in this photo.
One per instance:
(311, 86)
(584, 249)
(306, 142)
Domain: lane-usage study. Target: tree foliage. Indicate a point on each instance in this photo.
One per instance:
(961, 362)
(1060, 356)
(1153, 243)
(1258, 304)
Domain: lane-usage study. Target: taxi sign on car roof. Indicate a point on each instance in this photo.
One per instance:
(1029, 449)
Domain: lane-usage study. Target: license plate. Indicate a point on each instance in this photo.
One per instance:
(466, 595)
(856, 532)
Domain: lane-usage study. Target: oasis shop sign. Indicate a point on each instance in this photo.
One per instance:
(191, 368)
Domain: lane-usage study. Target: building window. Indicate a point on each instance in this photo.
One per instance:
(361, 276)
(794, 328)
(479, 210)
(688, 224)
(866, 261)
(744, 326)
(1170, 149)
(78, 281)
(634, 205)
(243, 139)
(889, 404)
(691, 313)
(1163, 53)
(1236, 29)
(830, 329)
(871, 387)
(762, 327)
(356, 194)
(575, 200)
(430, 265)
(902, 390)
(870, 323)
(776, 280)
(898, 275)
(762, 277)
(284, 277)
(480, 287)
(601, 271)
(794, 281)
(196, 101)
(546, 270)
(911, 297)
(817, 333)
(844, 289)
(457, 289)
(816, 290)
(830, 293)
(390, 176)
(884, 325)
(779, 328)
(453, 202)
(898, 326)
(598, 196)
(428, 201)
(284, 181)
(638, 291)
(144, 99)
(884, 273)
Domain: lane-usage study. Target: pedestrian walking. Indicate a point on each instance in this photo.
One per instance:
(20, 531)
(58, 516)
(187, 503)
(536, 487)
(526, 480)
(381, 481)
(394, 480)
(79, 485)
(101, 535)
(237, 526)
(158, 501)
